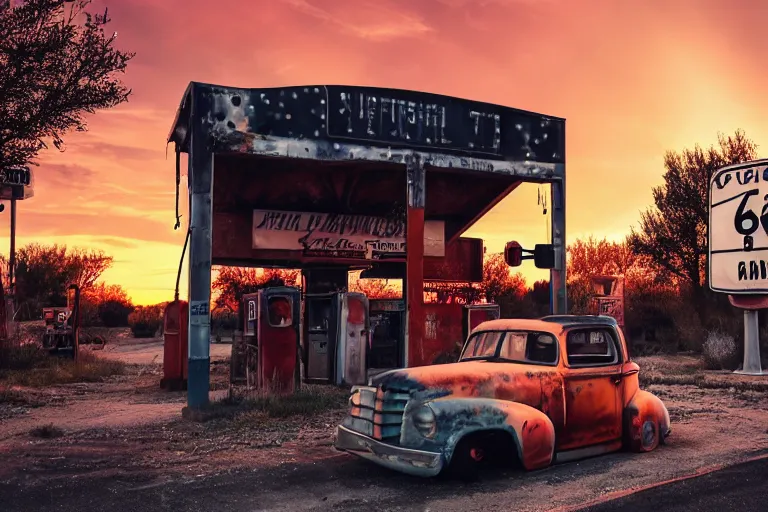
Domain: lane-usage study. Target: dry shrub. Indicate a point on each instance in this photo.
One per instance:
(719, 351)
(22, 357)
(145, 321)
(49, 431)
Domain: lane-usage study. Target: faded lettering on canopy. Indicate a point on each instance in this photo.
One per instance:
(738, 228)
(414, 119)
(329, 234)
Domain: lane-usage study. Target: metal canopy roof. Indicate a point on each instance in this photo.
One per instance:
(343, 123)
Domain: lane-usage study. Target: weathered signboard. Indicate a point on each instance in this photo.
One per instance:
(738, 229)
(413, 118)
(338, 235)
(16, 183)
(392, 118)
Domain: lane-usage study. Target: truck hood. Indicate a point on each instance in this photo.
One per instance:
(509, 381)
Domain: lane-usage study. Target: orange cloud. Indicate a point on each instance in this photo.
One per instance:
(633, 79)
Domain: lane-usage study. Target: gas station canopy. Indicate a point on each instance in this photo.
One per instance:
(347, 176)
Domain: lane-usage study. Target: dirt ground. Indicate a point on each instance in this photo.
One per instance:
(127, 427)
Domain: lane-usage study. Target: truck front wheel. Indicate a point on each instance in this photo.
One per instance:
(479, 450)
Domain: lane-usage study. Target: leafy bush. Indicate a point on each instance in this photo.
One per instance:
(719, 351)
(145, 321)
(89, 312)
(223, 319)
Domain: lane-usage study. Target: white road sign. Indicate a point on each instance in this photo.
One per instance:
(738, 229)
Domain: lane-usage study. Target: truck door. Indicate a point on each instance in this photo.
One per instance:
(593, 388)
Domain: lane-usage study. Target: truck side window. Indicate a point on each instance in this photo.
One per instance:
(541, 348)
(591, 347)
(280, 311)
(529, 347)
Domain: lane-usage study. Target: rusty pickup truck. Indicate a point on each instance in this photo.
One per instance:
(534, 392)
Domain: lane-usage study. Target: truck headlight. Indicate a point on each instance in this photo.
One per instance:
(424, 421)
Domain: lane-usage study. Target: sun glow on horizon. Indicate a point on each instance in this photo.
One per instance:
(633, 81)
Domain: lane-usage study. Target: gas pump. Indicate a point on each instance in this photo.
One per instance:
(354, 326)
(387, 329)
(266, 356)
(277, 335)
(336, 332)
(320, 334)
(62, 326)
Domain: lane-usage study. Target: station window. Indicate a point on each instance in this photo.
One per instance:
(280, 311)
(591, 347)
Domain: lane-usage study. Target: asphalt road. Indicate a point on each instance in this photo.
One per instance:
(345, 484)
(742, 488)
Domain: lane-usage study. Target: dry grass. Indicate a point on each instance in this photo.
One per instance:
(308, 401)
(15, 398)
(690, 370)
(30, 366)
(719, 351)
(701, 380)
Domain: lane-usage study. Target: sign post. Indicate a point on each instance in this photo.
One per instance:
(16, 183)
(738, 247)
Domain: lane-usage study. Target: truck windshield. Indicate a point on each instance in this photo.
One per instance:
(512, 346)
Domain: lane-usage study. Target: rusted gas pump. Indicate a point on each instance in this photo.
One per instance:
(175, 342)
(62, 326)
(266, 356)
(277, 334)
(336, 331)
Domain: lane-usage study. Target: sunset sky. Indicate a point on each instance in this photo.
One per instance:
(632, 78)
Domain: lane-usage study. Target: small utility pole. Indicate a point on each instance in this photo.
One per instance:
(12, 258)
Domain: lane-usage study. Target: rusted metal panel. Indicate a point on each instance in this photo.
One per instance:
(534, 171)
(557, 276)
(414, 265)
(463, 262)
(442, 333)
(378, 117)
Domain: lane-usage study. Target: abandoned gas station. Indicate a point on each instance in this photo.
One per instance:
(330, 179)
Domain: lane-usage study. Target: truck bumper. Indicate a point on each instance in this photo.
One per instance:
(404, 460)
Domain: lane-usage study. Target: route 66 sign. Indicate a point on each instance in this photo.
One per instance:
(738, 229)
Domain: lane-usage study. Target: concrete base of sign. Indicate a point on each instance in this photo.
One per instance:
(751, 364)
(761, 373)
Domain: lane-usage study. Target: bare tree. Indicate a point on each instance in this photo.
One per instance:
(56, 65)
(86, 266)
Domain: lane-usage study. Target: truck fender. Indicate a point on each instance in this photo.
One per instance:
(532, 431)
(646, 422)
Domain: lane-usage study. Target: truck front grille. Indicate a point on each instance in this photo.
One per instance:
(378, 413)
